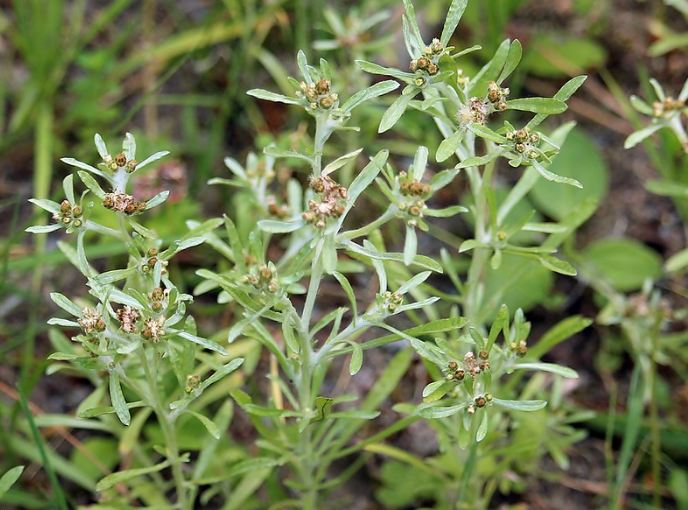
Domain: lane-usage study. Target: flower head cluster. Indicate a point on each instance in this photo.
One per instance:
(471, 365)
(91, 320)
(477, 110)
(391, 301)
(263, 278)
(119, 161)
(121, 202)
(331, 203)
(69, 214)
(524, 142)
(667, 106)
(128, 317)
(427, 64)
(318, 94)
(153, 328)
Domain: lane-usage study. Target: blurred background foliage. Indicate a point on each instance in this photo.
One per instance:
(175, 72)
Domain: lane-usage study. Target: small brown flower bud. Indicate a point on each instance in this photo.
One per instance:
(520, 148)
(322, 86)
(121, 159)
(76, 211)
(65, 206)
(108, 202)
(453, 365)
(413, 66)
(521, 135)
(192, 382)
(480, 401)
(432, 69)
(483, 355)
(459, 375)
(131, 165)
(152, 252)
(423, 63)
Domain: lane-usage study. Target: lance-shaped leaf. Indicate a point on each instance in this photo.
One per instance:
(394, 112)
(379, 89)
(548, 367)
(340, 162)
(83, 166)
(372, 68)
(150, 159)
(551, 176)
(520, 405)
(91, 184)
(117, 399)
(100, 146)
(452, 21)
(640, 135)
(449, 145)
(544, 105)
(272, 96)
(203, 342)
(157, 199)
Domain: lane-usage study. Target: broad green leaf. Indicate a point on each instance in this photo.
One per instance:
(9, 478)
(544, 105)
(580, 159)
(557, 265)
(554, 55)
(117, 399)
(625, 263)
(520, 405)
(272, 96)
